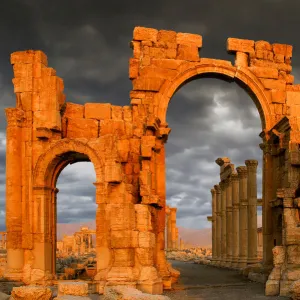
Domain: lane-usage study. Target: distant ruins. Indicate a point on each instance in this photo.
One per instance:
(127, 147)
(79, 243)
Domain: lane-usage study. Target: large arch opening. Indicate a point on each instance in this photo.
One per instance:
(209, 118)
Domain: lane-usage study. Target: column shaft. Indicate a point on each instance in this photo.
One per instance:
(223, 226)
(213, 229)
(15, 253)
(252, 210)
(218, 222)
(235, 219)
(228, 222)
(267, 225)
(243, 217)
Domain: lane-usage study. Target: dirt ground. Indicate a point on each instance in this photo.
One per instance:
(201, 282)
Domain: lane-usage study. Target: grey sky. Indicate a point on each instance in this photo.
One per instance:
(87, 42)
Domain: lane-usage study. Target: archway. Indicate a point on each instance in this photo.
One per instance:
(48, 168)
(210, 118)
(75, 224)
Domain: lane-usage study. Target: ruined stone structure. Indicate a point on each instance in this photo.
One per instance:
(171, 229)
(127, 147)
(77, 244)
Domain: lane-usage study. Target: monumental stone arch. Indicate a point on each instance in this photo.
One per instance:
(126, 146)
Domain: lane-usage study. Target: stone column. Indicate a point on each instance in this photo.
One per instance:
(267, 191)
(252, 210)
(228, 222)
(169, 228)
(213, 224)
(173, 226)
(218, 223)
(235, 219)
(223, 222)
(15, 253)
(243, 217)
(176, 243)
(54, 229)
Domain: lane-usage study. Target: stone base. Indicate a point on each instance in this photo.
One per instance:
(167, 283)
(155, 288)
(13, 275)
(285, 287)
(272, 288)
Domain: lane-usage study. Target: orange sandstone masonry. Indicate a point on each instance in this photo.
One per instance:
(126, 145)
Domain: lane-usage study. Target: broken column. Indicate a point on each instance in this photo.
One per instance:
(243, 217)
(235, 219)
(252, 210)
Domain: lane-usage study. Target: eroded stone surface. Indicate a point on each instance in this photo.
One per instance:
(72, 288)
(31, 293)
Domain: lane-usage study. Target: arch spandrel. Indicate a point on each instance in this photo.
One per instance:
(48, 161)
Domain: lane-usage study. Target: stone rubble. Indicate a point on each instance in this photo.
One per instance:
(128, 293)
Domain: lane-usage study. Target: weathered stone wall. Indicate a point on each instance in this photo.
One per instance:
(126, 146)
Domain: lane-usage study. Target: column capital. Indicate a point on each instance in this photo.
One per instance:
(265, 147)
(173, 209)
(227, 181)
(234, 177)
(251, 164)
(213, 191)
(242, 171)
(217, 188)
(223, 185)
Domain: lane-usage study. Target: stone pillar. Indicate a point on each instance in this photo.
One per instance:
(252, 210)
(169, 228)
(15, 253)
(223, 222)
(54, 229)
(176, 243)
(243, 217)
(173, 226)
(218, 223)
(235, 219)
(267, 191)
(213, 224)
(228, 222)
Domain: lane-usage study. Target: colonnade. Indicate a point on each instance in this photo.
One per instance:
(234, 215)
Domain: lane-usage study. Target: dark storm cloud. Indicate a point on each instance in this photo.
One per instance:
(87, 43)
